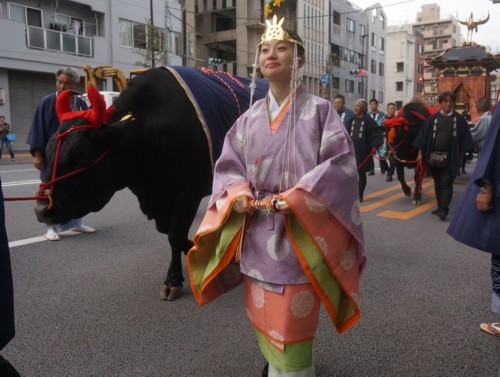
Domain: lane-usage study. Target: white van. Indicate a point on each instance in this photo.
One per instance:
(109, 97)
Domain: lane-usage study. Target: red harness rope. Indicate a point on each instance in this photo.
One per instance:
(46, 189)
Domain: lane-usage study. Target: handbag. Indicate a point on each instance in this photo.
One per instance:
(438, 159)
(11, 136)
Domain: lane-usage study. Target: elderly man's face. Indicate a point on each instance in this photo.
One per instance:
(64, 82)
(359, 108)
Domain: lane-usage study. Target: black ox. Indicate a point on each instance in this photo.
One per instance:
(402, 131)
(160, 151)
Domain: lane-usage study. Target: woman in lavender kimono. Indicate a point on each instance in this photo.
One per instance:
(307, 248)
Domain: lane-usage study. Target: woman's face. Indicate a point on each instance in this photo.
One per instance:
(275, 60)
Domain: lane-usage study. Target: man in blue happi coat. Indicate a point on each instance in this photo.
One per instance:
(45, 124)
(477, 220)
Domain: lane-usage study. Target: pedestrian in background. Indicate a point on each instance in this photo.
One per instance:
(442, 141)
(4, 131)
(480, 129)
(366, 139)
(477, 220)
(344, 113)
(385, 163)
(45, 124)
(378, 116)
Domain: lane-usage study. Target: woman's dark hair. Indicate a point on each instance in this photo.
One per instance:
(300, 49)
(445, 95)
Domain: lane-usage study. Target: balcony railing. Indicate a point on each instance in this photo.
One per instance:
(53, 40)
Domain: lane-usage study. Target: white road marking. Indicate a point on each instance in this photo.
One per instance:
(28, 241)
(16, 171)
(21, 183)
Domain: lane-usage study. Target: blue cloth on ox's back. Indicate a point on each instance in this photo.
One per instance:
(219, 99)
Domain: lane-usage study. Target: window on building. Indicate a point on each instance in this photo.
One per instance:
(336, 18)
(349, 86)
(362, 30)
(373, 66)
(419, 88)
(27, 15)
(399, 86)
(223, 23)
(420, 68)
(382, 21)
(374, 16)
(71, 24)
(134, 34)
(350, 25)
(380, 96)
(399, 104)
(336, 83)
(420, 49)
(382, 44)
(381, 69)
(372, 94)
(374, 40)
(400, 67)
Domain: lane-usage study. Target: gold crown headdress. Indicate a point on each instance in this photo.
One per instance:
(275, 31)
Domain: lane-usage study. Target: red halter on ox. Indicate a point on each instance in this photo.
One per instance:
(96, 116)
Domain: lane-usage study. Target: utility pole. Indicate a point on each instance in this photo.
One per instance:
(363, 57)
(151, 45)
(168, 31)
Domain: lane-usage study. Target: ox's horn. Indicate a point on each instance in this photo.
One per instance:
(98, 114)
(63, 104)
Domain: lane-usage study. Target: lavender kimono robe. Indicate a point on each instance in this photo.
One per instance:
(321, 242)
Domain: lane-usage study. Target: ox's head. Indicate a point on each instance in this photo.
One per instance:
(79, 176)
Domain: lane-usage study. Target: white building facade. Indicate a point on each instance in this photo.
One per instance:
(39, 37)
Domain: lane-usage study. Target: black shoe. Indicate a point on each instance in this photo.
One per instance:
(383, 171)
(372, 172)
(8, 370)
(265, 371)
(389, 178)
(435, 212)
(442, 215)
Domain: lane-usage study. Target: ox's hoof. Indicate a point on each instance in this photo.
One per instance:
(169, 293)
(164, 292)
(175, 293)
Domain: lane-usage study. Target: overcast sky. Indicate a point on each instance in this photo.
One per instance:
(401, 11)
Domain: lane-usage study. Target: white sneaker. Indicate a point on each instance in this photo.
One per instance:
(83, 229)
(51, 235)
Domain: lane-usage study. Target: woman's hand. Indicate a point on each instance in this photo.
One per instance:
(241, 206)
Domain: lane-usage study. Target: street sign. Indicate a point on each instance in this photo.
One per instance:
(325, 79)
(338, 73)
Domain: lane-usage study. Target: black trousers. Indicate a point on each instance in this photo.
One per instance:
(443, 185)
(361, 183)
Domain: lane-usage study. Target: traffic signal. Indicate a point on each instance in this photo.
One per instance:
(357, 72)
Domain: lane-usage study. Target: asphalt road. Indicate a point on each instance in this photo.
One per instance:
(88, 305)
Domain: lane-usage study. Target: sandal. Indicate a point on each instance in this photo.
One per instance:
(492, 328)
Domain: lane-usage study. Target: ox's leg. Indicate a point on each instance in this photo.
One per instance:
(177, 230)
(400, 171)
